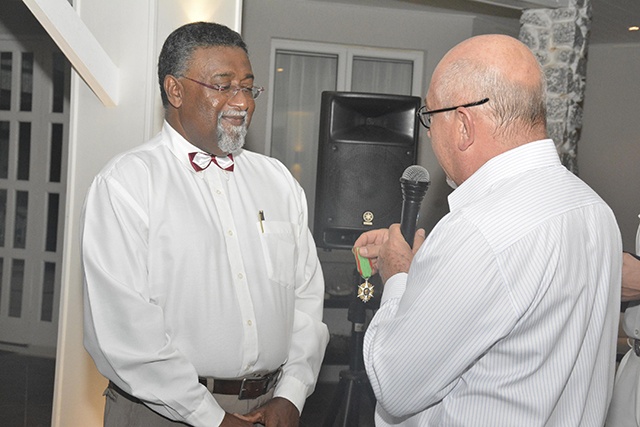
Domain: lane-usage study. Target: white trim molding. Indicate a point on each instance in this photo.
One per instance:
(80, 46)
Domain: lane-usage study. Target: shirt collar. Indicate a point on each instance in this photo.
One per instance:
(533, 155)
(181, 148)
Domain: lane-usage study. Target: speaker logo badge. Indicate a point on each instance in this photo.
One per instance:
(367, 218)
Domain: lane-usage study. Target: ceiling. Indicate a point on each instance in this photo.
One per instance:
(610, 23)
(610, 18)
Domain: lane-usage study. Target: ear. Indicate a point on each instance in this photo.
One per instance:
(466, 128)
(174, 90)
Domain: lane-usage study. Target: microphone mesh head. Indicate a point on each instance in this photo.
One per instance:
(416, 173)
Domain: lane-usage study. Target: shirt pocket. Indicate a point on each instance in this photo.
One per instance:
(279, 250)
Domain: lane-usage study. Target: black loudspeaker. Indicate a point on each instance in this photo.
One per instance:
(366, 142)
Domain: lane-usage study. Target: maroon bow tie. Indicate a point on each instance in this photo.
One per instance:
(200, 161)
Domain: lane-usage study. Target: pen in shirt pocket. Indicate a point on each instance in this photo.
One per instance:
(261, 218)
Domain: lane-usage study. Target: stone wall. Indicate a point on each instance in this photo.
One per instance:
(559, 38)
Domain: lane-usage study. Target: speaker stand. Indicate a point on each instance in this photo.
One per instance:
(353, 384)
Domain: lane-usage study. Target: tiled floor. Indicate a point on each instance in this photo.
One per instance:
(318, 406)
(26, 390)
(26, 394)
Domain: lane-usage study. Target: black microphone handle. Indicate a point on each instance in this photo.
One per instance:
(409, 219)
(412, 194)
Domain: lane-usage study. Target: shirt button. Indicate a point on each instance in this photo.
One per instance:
(218, 192)
(249, 322)
(240, 275)
(230, 232)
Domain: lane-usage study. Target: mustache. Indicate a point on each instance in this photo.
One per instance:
(232, 113)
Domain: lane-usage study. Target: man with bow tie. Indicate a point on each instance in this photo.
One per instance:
(203, 290)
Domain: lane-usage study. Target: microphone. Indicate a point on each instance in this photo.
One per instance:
(414, 183)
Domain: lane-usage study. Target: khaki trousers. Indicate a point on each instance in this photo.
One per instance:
(122, 410)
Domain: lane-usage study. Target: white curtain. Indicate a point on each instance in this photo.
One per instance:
(381, 76)
(300, 80)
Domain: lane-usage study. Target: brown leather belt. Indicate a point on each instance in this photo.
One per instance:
(123, 393)
(246, 388)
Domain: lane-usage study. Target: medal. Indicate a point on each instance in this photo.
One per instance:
(365, 290)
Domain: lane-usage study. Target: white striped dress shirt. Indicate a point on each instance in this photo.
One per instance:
(509, 313)
(624, 410)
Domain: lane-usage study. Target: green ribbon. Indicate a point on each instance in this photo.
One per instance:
(363, 264)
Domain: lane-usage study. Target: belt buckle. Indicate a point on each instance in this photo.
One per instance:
(241, 395)
(271, 380)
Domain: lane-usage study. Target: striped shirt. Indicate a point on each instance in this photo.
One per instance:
(624, 410)
(509, 313)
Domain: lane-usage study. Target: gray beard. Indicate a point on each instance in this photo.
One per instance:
(231, 139)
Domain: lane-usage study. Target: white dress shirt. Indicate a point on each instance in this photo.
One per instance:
(508, 315)
(625, 403)
(183, 280)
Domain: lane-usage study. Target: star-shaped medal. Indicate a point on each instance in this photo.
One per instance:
(365, 291)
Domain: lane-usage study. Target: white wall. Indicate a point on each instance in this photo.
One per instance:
(96, 134)
(609, 148)
(131, 32)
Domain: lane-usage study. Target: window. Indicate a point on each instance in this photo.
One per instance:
(34, 116)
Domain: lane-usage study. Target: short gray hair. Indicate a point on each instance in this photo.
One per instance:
(511, 103)
(182, 42)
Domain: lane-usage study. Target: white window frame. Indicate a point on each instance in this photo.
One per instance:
(345, 54)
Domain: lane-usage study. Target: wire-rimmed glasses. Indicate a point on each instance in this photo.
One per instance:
(425, 116)
(231, 91)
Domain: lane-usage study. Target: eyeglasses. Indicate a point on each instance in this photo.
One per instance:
(425, 116)
(230, 91)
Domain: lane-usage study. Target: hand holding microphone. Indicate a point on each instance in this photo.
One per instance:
(386, 248)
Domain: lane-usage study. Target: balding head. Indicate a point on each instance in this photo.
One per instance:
(502, 69)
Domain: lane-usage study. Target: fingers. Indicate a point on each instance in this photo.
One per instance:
(388, 250)
(395, 254)
(235, 420)
(368, 251)
(252, 417)
(367, 242)
(368, 246)
(420, 236)
(276, 412)
(419, 239)
(394, 231)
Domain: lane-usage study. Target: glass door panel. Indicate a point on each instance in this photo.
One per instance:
(34, 116)
(376, 75)
(300, 79)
